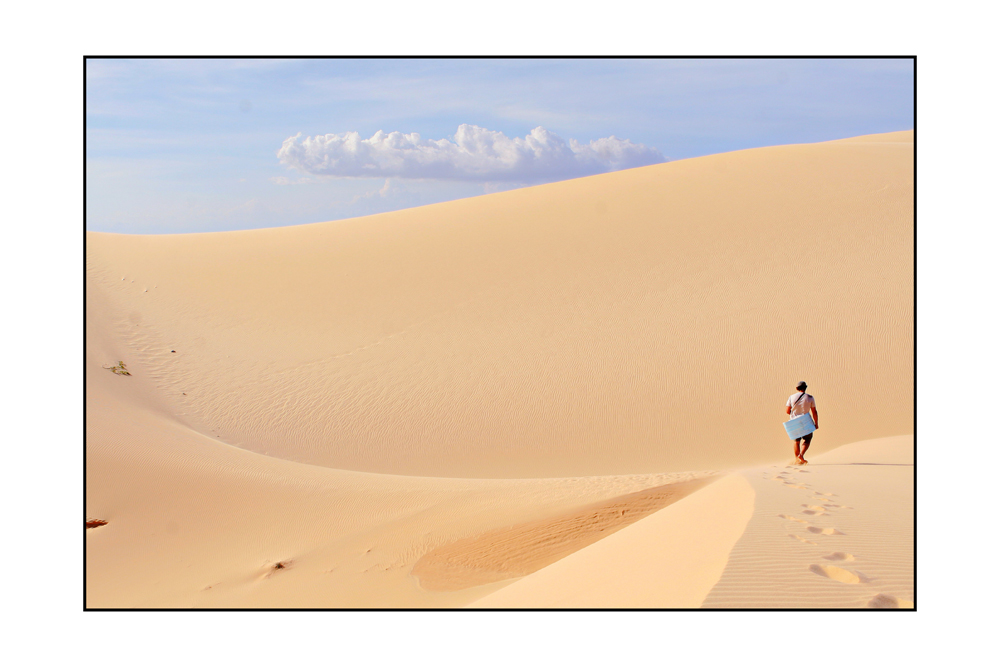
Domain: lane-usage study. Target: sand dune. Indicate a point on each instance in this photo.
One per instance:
(775, 536)
(424, 407)
(847, 517)
(519, 550)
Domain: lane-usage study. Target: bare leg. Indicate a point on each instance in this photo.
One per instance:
(805, 446)
(798, 456)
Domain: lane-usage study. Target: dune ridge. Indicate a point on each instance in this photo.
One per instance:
(345, 399)
(837, 533)
(559, 330)
(776, 536)
(517, 551)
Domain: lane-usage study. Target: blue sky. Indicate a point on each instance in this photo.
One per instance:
(211, 145)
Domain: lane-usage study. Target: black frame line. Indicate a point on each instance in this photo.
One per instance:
(499, 57)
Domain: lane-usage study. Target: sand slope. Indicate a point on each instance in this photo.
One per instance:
(194, 522)
(837, 533)
(670, 560)
(578, 328)
(349, 399)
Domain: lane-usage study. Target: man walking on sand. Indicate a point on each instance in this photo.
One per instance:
(801, 403)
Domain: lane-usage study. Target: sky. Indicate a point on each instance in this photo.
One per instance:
(200, 145)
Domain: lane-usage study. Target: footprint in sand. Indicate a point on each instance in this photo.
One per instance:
(814, 510)
(885, 601)
(839, 574)
(796, 486)
(821, 493)
(839, 555)
(836, 506)
(816, 530)
(801, 539)
(792, 518)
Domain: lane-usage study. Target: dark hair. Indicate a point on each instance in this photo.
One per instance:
(801, 386)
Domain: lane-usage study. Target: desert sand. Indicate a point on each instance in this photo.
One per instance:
(567, 395)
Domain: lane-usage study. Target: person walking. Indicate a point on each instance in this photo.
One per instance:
(801, 403)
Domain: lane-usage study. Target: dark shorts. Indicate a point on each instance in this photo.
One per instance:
(806, 438)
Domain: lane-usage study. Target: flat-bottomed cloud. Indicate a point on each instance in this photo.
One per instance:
(475, 154)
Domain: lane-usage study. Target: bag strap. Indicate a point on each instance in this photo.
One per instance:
(799, 399)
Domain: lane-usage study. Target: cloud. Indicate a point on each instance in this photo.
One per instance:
(475, 154)
(284, 180)
(384, 191)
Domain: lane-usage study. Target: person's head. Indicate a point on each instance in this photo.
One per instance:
(801, 386)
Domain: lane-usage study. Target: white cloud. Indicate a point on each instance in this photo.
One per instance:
(384, 191)
(284, 180)
(475, 154)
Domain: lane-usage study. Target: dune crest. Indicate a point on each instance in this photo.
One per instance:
(577, 328)
(519, 550)
(300, 416)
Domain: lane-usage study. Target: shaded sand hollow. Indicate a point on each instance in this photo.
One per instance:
(439, 406)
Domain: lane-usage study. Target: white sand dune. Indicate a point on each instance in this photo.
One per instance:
(424, 407)
(847, 517)
(837, 533)
(671, 560)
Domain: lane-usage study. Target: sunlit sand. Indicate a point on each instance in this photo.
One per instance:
(568, 395)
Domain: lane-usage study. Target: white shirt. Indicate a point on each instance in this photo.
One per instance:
(803, 407)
